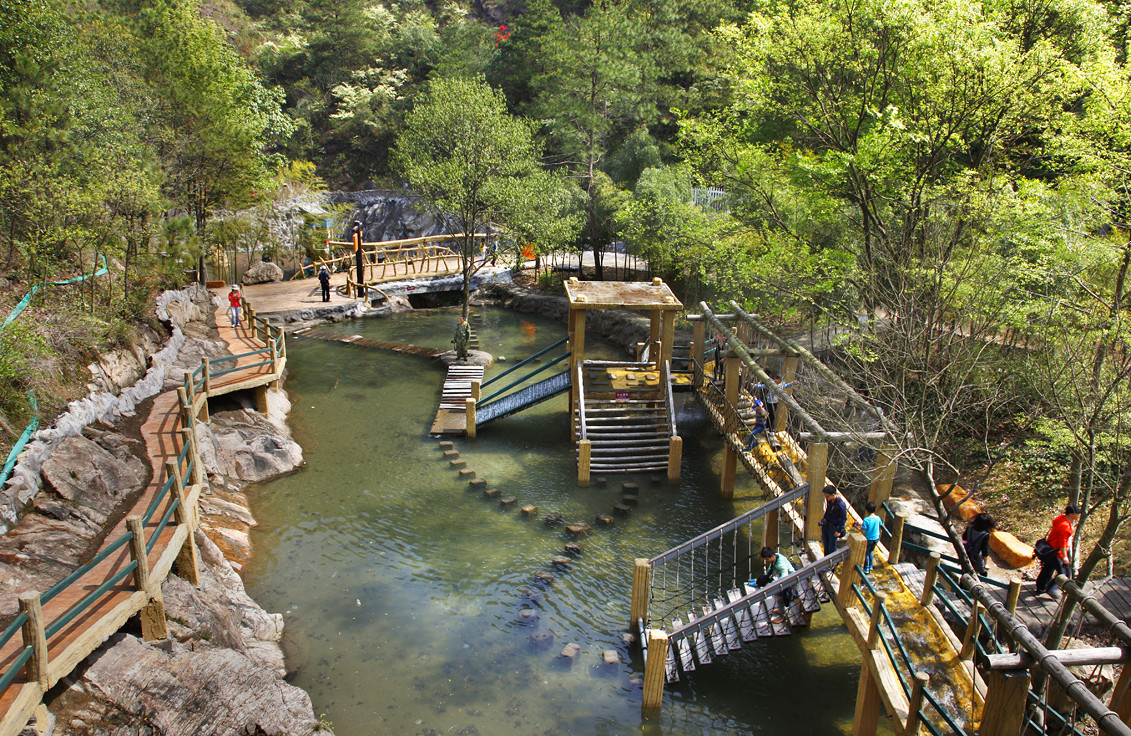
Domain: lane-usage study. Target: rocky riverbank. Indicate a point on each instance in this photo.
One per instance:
(221, 670)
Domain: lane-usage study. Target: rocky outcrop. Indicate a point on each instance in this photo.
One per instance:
(262, 272)
(389, 215)
(244, 444)
(219, 672)
(117, 369)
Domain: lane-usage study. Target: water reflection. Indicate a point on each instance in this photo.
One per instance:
(404, 590)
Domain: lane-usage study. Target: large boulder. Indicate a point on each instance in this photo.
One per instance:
(92, 477)
(243, 444)
(262, 272)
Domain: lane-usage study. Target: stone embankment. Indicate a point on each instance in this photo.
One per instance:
(221, 669)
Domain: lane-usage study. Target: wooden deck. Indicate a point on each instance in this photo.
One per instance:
(451, 417)
(90, 628)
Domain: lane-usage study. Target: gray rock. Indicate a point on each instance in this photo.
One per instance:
(262, 272)
(245, 445)
(92, 477)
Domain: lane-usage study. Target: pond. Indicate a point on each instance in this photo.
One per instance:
(403, 590)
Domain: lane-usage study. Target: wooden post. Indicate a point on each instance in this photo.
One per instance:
(730, 377)
(914, 721)
(770, 530)
(667, 336)
(274, 355)
(641, 588)
(654, 672)
(188, 560)
(261, 400)
(730, 466)
(475, 390)
(35, 636)
(781, 414)
(584, 454)
(895, 548)
(857, 546)
(1121, 695)
(878, 604)
(173, 468)
(868, 704)
(818, 463)
(970, 639)
(882, 477)
(469, 416)
(929, 581)
(152, 616)
(1004, 711)
(698, 341)
(1013, 596)
(189, 434)
(207, 375)
(675, 458)
(654, 336)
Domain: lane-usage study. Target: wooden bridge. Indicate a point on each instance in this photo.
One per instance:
(59, 628)
(914, 666)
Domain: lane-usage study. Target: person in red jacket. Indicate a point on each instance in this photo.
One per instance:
(1052, 551)
(234, 306)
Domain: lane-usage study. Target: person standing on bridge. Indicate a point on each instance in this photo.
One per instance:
(1052, 551)
(871, 526)
(976, 541)
(832, 523)
(324, 279)
(234, 305)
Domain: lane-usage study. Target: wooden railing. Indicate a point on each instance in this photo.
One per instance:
(62, 626)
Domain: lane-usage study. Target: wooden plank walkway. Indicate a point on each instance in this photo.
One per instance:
(90, 628)
(451, 417)
(314, 332)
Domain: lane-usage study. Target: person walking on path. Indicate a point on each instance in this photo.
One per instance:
(234, 306)
(976, 541)
(1052, 551)
(324, 279)
(832, 523)
(870, 525)
(775, 566)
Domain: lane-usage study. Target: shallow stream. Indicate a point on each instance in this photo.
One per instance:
(402, 589)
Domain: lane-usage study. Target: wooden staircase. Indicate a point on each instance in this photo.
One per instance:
(629, 429)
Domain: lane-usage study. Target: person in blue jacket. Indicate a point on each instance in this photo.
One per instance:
(870, 525)
(832, 523)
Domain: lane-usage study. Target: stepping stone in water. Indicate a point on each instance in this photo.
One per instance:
(573, 549)
(620, 509)
(491, 492)
(451, 453)
(528, 616)
(602, 481)
(570, 651)
(478, 483)
(604, 520)
(554, 519)
(467, 473)
(628, 499)
(610, 656)
(561, 562)
(507, 501)
(578, 528)
(446, 445)
(630, 487)
(656, 480)
(457, 463)
(541, 639)
(544, 578)
(529, 510)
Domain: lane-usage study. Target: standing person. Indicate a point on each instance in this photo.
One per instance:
(324, 279)
(976, 541)
(720, 345)
(234, 305)
(871, 526)
(1052, 551)
(832, 523)
(759, 425)
(772, 400)
(462, 338)
(775, 565)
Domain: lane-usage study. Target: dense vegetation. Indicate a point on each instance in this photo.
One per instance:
(947, 179)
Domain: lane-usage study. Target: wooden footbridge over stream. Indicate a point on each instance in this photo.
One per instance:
(57, 629)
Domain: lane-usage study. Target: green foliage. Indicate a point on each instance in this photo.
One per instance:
(21, 349)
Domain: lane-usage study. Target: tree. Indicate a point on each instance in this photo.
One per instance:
(474, 164)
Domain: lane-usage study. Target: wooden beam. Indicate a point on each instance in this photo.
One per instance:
(584, 456)
(857, 546)
(1121, 695)
(35, 636)
(789, 374)
(897, 537)
(675, 458)
(641, 585)
(653, 698)
(883, 475)
(818, 457)
(1069, 657)
(868, 702)
(469, 417)
(1004, 712)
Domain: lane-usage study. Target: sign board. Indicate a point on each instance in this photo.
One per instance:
(622, 396)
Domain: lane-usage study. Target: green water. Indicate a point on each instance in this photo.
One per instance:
(402, 589)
